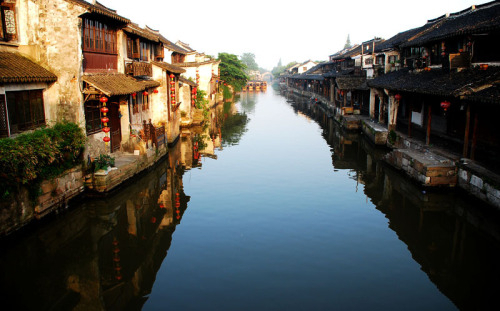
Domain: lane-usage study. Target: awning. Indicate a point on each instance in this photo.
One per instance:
(188, 82)
(169, 67)
(113, 84)
(15, 68)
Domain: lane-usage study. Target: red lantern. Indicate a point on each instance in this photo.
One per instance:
(193, 91)
(106, 129)
(172, 76)
(145, 93)
(133, 95)
(106, 139)
(172, 82)
(104, 109)
(445, 105)
(172, 89)
(155, 91)
(103, 99)
(105, 120)
(173, 102)
(397, 97)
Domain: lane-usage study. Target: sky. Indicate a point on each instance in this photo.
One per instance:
(286, 30)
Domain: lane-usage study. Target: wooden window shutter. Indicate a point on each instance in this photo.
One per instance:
(129, 47)
(159, 51)
(136, 49)
(4, 122)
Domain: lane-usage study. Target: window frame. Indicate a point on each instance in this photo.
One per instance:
(26, 110)
(4, 34)
(99, 37)
(92, 110)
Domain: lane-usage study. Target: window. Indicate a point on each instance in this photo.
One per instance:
(145, 51)
(145, 102)
(8, 28)
(25, 110)
(368, 61)
(92, 117)
(98, 37)
(135, 105)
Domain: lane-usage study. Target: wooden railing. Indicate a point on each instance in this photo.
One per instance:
(156, 134)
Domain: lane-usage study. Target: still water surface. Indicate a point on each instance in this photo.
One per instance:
(275, 209)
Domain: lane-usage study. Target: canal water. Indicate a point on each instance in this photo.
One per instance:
(270, 206)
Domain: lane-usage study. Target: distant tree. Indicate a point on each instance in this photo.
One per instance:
(278, 70)
(232, 70)
(249, 60)
(347, 44)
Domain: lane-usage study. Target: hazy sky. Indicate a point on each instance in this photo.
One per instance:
(290, 30)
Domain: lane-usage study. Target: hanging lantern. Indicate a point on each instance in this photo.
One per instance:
(106, 129)
(155, 91)
(104, 109)
(193, 91)
(103, 99)
(106, 139)
(173, 102)
(397, 97)
(145, 93)
(133, 95)
(445, 105)
(105, 120)
(172, 82)
(172, 76)
(172, 89)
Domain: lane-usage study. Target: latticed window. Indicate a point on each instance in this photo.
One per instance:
(98, 37)
(8, 27)
(25, 110)
(92, 117)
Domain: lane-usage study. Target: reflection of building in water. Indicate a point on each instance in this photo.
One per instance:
(456, 246)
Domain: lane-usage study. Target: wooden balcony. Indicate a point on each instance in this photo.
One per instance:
(139, 69)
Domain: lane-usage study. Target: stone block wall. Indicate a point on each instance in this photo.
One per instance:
(55, 194)
(479, 183)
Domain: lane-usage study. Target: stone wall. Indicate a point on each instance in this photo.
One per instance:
(55, 194)
(479, 182)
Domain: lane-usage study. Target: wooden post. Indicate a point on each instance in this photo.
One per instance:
(474, 136)
(410, 112)
(429, 120)
(372, 103)
(466, 136)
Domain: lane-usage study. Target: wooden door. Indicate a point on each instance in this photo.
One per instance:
(114, 124)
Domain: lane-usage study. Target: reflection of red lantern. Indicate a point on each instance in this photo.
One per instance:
(104, 109)
(397, 97)
(106, 129)
(106, 139)
(105, 120)
(445, 105)
(103, 99)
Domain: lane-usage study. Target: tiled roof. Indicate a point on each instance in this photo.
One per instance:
(141, 32)
(117, 83)
(100, 9)
(169, 67)
(350, 83)
(438, 82)
(15, 68)
(398, 39)
(480, 19)
(308, 77)
(189, 82)
(196, 64)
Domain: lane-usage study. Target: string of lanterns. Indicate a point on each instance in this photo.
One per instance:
(172, 89)
(193, 96)
(105, 119)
